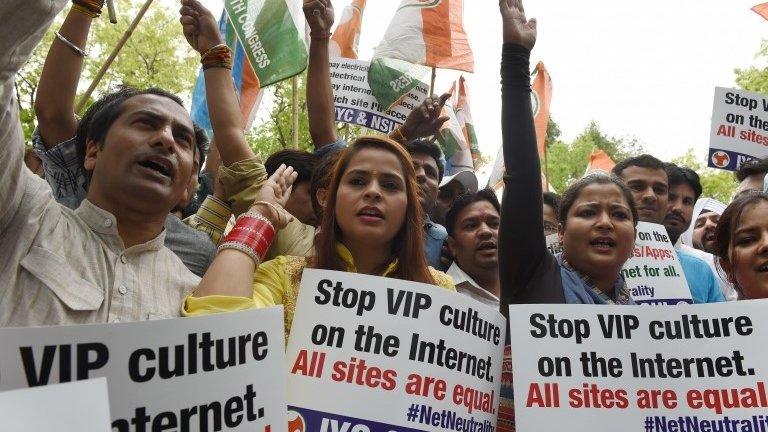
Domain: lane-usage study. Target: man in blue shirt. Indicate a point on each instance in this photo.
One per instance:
(647, 178)
(429, 168)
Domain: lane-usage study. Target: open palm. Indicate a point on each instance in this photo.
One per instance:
(517, 29)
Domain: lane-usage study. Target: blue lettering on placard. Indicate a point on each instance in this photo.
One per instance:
(369, 119)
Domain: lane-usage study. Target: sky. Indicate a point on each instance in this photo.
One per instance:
(639, 69)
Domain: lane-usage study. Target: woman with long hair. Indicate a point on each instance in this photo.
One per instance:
(372, 226)
(741, 245)
(597, 215)
(372, 223)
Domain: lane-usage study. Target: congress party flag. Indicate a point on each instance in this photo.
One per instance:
(542, 96)
(346, 37)
(246, 82)
(600, 161)
(452, 140)
(430, 33)
(269, 32)
(422, 32)
(464, 115)
(761, 9)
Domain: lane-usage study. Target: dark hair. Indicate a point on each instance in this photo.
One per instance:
(464, 201)
(321, 178)
(727, 225)
(572, 193)
(642, 161)
(100, 116)
(428, 147)
(678, 175)
(553, 200)
(203, 144)
(750, 168)
(408, 245)
(302, 162)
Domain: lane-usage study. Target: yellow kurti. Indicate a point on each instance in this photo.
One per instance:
(276, 282)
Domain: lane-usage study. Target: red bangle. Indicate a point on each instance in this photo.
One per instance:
(252, 234)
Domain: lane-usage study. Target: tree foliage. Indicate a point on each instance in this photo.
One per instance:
(155, 55)
(567, 162)
(754, 78)
(715, 183)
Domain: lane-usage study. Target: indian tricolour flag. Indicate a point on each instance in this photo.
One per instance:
(422, 32)
(269, 32)
(346, 37)
(246, 82)
(451, 138)
(464, 116)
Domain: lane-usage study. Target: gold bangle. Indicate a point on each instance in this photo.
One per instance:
(273, 206)
(212, 49)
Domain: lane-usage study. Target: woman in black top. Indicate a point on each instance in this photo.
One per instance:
(597, 216)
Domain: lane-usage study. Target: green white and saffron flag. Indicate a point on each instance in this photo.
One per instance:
(270, 31)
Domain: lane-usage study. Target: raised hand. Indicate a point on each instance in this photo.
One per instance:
(425, 119)
(319, 14)
(517, 29)
(200, 27)
(276, 191)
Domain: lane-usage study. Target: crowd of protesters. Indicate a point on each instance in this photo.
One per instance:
(130, 213)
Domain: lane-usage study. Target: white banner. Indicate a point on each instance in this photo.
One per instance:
(739, 128)
(379, 354)
(81, 406)
(193, 374)
(653, 272)
(355, 104)
(686, 368)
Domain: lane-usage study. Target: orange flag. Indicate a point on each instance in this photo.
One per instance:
(542, 96)
(761, 9)
(430, 33)
(346, 37)
(600, 161)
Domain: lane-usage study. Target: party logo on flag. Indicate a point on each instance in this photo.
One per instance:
(428, 33)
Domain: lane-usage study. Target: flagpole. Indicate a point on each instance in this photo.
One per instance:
(112, 56)
(295, 113)
(432, 82)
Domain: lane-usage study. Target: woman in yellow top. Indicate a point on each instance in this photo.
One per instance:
(374, 229)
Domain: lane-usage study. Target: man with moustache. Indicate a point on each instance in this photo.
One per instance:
(647, 178)
(684, 191)
(105, 261)
(473, 235)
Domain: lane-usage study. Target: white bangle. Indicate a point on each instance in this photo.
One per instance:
(74, 47)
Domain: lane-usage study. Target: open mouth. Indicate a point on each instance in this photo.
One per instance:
(371, 212)
(159, 165)
(709, 236)
(603, 243)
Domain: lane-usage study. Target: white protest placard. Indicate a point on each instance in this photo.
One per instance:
(686, 368)
(739, 130)
(653, 271)
(379, 354)
(81, 406)
(354, 103)
(554, 244)
(224, 371)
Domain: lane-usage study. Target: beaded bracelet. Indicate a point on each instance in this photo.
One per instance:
(92, 8)
(218, 56)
